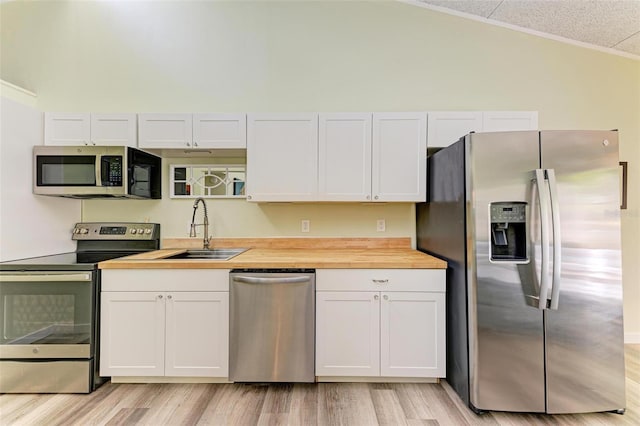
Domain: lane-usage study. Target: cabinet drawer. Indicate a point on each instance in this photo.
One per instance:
(165, 280)
(380, 280)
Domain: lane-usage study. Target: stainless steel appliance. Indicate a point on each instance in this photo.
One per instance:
(96, 172)
(530, 225)
(49, 310)
(272, 325)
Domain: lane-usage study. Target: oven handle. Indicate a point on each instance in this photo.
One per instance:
(32, 278)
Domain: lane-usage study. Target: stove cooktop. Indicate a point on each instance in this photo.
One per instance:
(97, 241)
(63, 261)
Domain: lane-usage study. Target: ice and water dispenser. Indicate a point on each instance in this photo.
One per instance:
(508, 232)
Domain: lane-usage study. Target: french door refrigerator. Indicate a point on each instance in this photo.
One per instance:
(530, 225)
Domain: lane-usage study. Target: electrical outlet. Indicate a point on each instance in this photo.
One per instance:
(304, 225)
(381, 225)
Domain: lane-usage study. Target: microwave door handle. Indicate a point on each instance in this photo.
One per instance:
(557, 239)
(543, 200)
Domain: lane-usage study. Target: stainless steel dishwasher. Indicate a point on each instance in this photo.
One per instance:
(272, 325)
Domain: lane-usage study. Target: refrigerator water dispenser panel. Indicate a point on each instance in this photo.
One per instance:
(509, 232)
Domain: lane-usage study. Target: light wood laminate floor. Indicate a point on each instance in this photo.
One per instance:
(352, 404)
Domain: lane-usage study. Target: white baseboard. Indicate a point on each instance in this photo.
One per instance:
(632, 337)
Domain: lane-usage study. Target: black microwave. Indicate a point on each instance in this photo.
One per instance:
(96, 172)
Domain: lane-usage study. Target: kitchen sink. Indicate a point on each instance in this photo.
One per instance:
(211, 254)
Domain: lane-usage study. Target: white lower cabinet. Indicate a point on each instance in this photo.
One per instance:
(196, 334)
(362, 331)
(132, 334)
(412, 334)
(347, 333)
(161, 331)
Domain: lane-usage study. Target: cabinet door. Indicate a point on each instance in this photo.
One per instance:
(197, 334)
(447, 127)
(504, 121)
(132, 334)
(399, 157)
(114, 129)
(282, 157)
(165, 131)
(67, 129)
(347, 333)
(344, 157)
(220, 131)
(412, 334)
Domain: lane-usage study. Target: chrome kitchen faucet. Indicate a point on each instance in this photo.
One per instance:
(192, 233)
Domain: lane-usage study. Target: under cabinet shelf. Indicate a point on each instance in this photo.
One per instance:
(207, 181)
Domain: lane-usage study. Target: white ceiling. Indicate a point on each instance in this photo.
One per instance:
(611, 24)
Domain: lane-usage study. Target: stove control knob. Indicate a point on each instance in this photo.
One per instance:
(84, 231)
(140, 230)
(76, 230)
(148, 231)
(133, 231)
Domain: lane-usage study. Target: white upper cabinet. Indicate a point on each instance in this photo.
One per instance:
(90, 129)
(344, 157)
(282, 157)
(504, 121)
(165, 131)
(224, 131)
(399, 167)
(446, 127)
(193, 131)
(355, 157)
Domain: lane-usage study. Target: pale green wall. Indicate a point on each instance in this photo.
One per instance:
(312, 56)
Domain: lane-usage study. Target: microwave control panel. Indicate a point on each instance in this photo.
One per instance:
(111, 169)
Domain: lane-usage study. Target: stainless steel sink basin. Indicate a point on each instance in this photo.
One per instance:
(212, 254)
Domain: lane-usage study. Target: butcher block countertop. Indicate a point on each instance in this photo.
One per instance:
(317, 253)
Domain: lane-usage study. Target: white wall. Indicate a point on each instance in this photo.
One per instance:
(30, 225)
(142, 56)
(239, 218)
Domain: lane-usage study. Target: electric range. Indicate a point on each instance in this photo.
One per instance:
(49, 305)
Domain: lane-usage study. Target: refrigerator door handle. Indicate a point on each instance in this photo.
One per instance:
(557, 239)
(543, 200)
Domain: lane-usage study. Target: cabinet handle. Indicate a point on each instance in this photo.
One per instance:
(93, 143)
(385, 297)
(376, 197)
(159, 296)
(195, 144)
(380, 281)
(169, 297)
(376, 297)
(623, 198)
(368, 197)
(188, 144)
(248, 197)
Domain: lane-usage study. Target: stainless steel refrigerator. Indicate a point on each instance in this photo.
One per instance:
(530, 225)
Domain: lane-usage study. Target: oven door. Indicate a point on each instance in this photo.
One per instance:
(47, 314)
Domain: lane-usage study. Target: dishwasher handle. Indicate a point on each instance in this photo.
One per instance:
(280, 280)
